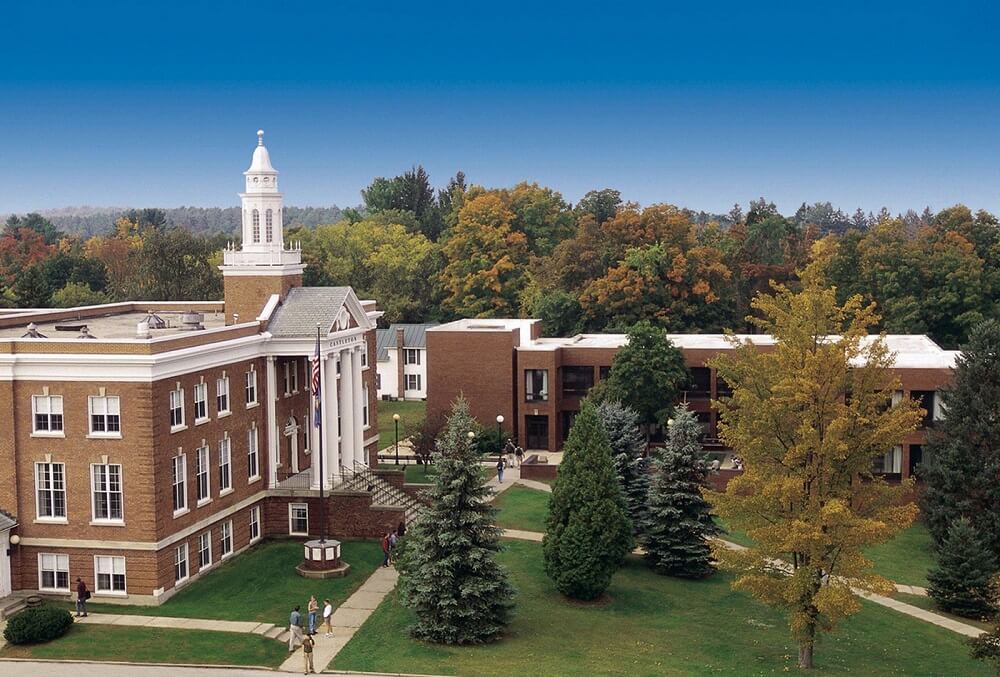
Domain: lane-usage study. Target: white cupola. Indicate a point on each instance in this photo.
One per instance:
(262, 203)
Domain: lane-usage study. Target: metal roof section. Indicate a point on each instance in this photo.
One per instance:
(414, 336)
(7, 521)
(305, 307)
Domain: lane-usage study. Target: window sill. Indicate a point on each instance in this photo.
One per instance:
(223, 414)
(51, 520)
(50, 435)
(182, 511)
(297, 533)
(225, 555)
(203, 502)
(201, 421)
(180, 582)
(253, 405)
(61, 591)
(225, 492)
(254, 480)
(104, 436)
(110, 593)
(107, 523)
(254, 540)
(178, 428)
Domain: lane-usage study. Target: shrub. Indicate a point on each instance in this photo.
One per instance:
(40, 624)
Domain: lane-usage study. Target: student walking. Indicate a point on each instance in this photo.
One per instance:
(313, 610)
(328, 617)
(519, 455)
(294, 629)
(508, 451)
(82, 595)
(393, 540)
(500, 466)
(307, 654)
(385, 549)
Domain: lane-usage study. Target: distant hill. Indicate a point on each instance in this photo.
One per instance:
(211, 220)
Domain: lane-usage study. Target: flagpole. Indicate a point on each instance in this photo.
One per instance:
(318, 416)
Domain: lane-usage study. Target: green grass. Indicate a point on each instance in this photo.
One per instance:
(905, 559)
(413, 473)
(260, 585)
(411, 417)
(654, 625)
(155, 645)
(522, 508)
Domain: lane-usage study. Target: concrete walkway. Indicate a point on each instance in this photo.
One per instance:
(347, 618)
(249, 627)
(19, 668)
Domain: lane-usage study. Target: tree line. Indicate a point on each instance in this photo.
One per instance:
(602, 264)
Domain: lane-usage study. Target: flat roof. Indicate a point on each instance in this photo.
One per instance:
(490, 324)
(120, 325)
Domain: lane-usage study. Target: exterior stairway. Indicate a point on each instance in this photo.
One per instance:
(361, 478)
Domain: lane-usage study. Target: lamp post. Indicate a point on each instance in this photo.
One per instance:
(500, 433)
(395, 420)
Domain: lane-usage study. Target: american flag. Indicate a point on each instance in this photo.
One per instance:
(318, 417)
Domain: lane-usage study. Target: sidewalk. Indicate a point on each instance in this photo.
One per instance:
(348, 617)
(249, 627)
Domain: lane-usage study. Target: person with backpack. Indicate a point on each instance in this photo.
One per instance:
(307, 654)
(519, 455)
(385, 549)
(500, 467)
(82, 595)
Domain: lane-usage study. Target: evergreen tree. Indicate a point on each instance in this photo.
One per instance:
(964, 452)
(986, 647)
(621, 424)
(588, 532)
(678, 518)
(448, 571)
(963, 582)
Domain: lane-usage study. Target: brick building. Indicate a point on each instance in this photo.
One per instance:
(145, 442)
(505, 367)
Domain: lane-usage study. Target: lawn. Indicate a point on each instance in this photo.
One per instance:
(411, 417)
(260, 585)
(413, 473)
(155, 645)
(522, 508)
(905, 559)
(655, 625)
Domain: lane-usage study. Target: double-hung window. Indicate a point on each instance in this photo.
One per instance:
(53, 572)
(179, 465)
(181, 563)
(226, 539)
(110, 574)
(411, 356)
(250, 388)
(255, 523)
(222, 395)
(298, 519)
(536, 385)
(253, 459)
(201, 475)
(47, 414)
(50, 485)
(364, 406)
(225, 466)
(105, 416)
(295, 375)
(413, 381)
(107, 490)
(200, 403)
(176, 408)
(205, 550)
(286, 378)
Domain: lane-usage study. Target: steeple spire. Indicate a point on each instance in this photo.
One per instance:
(260, 137)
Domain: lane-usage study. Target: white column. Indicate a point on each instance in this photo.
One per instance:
(347, 407)
(331, 430)
(270, 388)
(358, 414)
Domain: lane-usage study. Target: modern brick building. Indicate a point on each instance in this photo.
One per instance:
(505, 367)
(145, 442)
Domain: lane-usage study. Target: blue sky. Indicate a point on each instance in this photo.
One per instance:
(139, 104)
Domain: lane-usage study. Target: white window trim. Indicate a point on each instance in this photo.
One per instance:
(255, 402)
(111, 593)
(183, 424)
(186, 508)
(211, 561)
(90, 421)
(222, 541)
(229, 402)
(109, 521)
(255, 517)
(57, 555)
(208, 476)
(64, 519)
(47, 433)
(225, 444)
(291, 508)
(199, 420)
(256, 447)
(187, 564)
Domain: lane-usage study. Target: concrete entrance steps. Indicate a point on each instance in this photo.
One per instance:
(382, 492)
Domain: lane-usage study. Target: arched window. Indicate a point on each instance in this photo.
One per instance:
(256, 226)
(268, 225)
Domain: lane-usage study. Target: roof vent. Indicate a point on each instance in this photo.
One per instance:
(192, 321)
(142, 330)
(33, 332)
(154, 321)
(85, 333)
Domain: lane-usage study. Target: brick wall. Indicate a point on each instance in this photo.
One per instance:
(247, 295)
